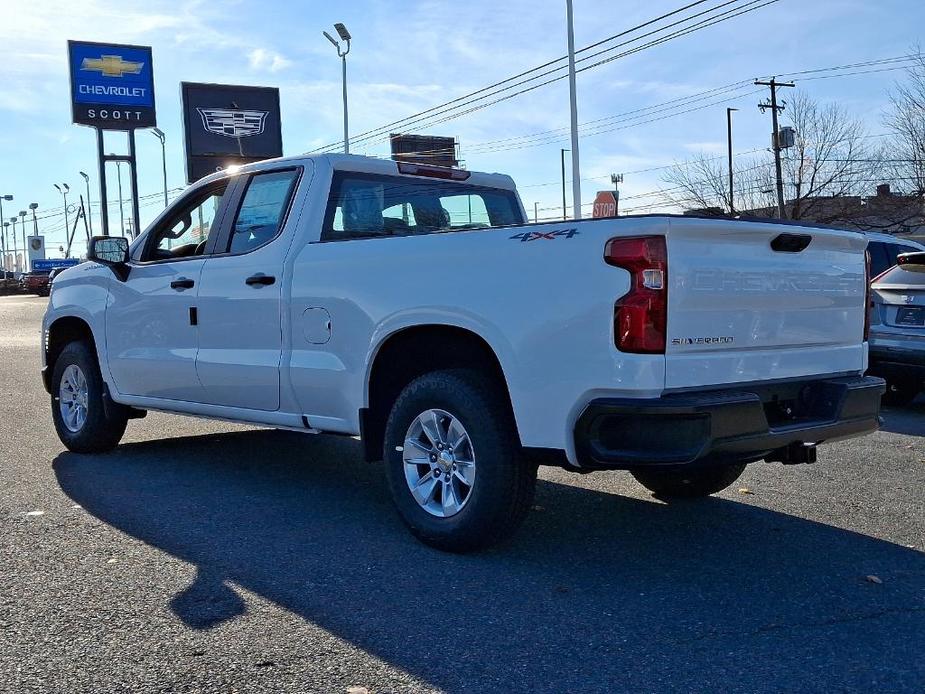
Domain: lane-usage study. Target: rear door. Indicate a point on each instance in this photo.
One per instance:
(755, 302)
(240, 295)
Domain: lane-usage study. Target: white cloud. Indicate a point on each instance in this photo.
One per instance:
(263, 59)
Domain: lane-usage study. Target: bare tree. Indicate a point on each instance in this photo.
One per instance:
(829, 162)
(905, 120)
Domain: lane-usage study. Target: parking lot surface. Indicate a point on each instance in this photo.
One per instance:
(202, 556)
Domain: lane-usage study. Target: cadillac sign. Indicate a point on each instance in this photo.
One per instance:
(112, 85)
(229, 124)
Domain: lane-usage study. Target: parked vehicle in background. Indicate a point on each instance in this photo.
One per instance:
(414, 306)
(885, 248)
(36, 282)
(897, 329)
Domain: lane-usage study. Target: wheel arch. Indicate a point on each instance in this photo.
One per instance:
(61, 332)
(412, 351)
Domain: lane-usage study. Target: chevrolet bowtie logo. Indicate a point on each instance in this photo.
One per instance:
(111, 66)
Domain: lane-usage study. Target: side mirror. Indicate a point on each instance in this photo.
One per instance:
(912, 262)
(111, 251)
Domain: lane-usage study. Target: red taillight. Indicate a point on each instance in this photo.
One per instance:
(641, 315)
(867, 302)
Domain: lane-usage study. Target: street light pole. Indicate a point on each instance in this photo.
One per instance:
(5, 225)
(15, 250)
(346, 38)
(159, 134)
(25, 246)
(732, 204)
(573, 99)
(89, 212)
(63, 189)
(564, 209)
(6, 261)
(35, 222)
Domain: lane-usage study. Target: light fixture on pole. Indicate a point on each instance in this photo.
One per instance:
(86, 178)
(64, 188)
(5, 226)
(159, 134)
(345, 37)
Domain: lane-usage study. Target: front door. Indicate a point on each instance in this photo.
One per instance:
(239, 299)
(150, 323)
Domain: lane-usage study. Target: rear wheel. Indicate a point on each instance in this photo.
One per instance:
(84, 421)
(454, 465)
(688, 484)
(901, 392)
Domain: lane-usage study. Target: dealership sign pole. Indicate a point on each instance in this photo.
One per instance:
(112, 88)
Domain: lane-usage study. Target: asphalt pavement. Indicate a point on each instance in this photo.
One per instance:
(209, 557)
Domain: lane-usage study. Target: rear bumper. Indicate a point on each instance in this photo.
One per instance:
(736, 425)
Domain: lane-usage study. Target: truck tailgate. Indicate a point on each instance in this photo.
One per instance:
(740, 311)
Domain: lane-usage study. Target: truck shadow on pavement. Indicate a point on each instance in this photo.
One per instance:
(596, 592)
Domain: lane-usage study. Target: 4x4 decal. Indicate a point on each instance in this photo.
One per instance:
(548, 235)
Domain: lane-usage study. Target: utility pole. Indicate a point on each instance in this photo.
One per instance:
(775, 109)
(573, 99)
(15, 249)
(536, 212)
(732, 204)
(159, 134)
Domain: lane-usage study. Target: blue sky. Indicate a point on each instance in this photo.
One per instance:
(409, 55)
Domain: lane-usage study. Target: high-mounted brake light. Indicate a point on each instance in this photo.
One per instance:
(641, 315)
(433, 171)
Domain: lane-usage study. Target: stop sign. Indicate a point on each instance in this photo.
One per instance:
(605, 204)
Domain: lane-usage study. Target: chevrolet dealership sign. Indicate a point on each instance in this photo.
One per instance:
(112, 85)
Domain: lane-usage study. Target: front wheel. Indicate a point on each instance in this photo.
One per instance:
(85, 423)
(453, 462)
(688, 484)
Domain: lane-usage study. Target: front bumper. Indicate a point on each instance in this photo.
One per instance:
(743, 424)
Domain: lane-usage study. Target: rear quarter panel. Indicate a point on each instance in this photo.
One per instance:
(544, 305)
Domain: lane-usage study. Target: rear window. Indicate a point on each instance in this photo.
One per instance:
(371, 206)
(899, 276)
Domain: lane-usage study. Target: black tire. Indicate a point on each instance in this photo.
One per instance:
(688, 484)
(503, 486)
(901, 392)
(105, 421)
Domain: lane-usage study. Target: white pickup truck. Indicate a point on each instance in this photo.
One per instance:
(413, 306)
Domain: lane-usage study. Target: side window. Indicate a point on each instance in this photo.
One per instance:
(880, 260)
(185, 233)
(263, 209)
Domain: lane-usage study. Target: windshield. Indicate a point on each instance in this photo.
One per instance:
(366, 205)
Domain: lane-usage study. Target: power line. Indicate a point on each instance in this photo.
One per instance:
(417, 122)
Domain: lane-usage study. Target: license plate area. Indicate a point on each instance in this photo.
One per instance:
(910, 315)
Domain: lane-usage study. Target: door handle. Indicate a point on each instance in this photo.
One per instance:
(182, 283)
(260, 280)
